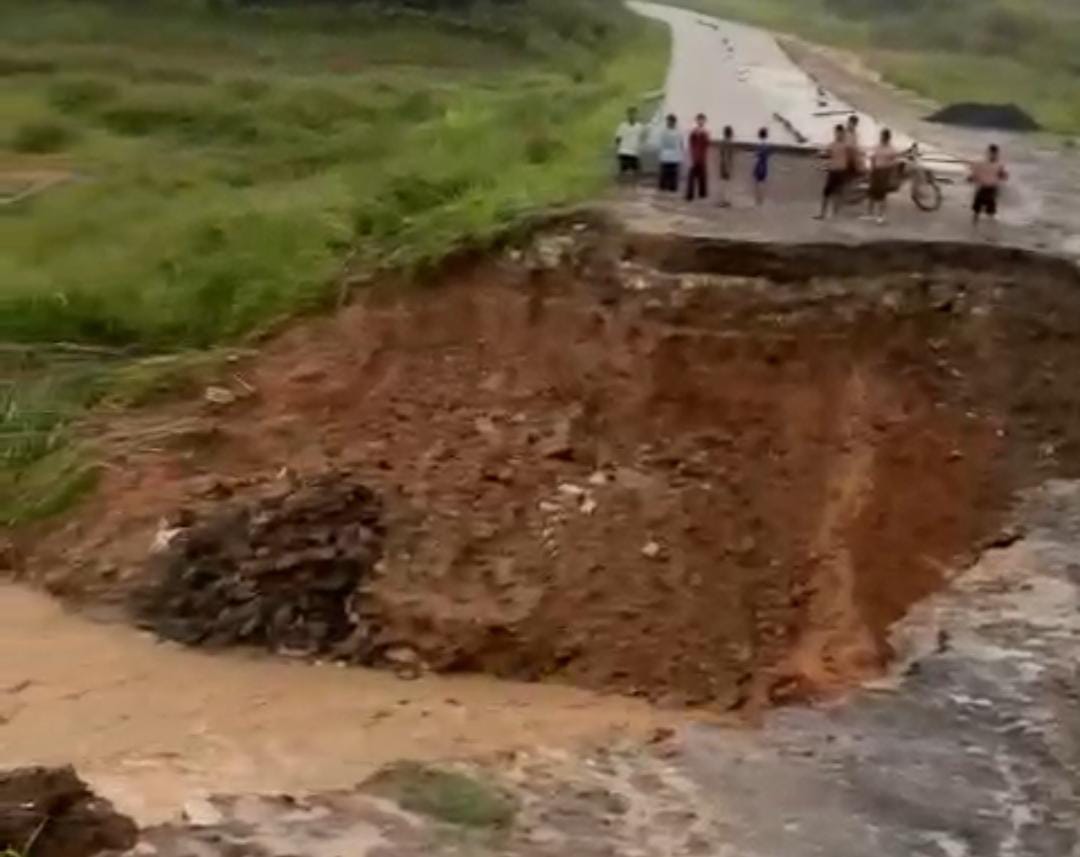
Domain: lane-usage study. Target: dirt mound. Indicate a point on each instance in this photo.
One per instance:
(50, 812)
(277, 570)
(625, 466)
(1006, 117)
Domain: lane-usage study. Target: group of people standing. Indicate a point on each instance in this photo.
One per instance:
(847, 161)
(676, 149)
(845, 158)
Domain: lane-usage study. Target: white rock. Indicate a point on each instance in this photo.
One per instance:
(402, 655)
(219, 396)
(652, 550)
(199, 812)
(164, 537)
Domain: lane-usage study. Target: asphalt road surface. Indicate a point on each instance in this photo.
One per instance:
(738, 75)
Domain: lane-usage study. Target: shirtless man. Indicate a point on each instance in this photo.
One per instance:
(987, 175)
(838, 171)
(883, 161)
(856, 164)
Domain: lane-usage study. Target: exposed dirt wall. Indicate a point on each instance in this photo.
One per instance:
(606, 463)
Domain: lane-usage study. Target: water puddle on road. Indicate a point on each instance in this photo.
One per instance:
(150, 724)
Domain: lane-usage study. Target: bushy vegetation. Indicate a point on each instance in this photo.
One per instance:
(228, 161)
(1025, 51)
(447, 796)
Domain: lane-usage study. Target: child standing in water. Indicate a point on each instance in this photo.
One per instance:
(762, 152)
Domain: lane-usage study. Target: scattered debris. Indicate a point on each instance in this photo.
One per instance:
(279, 571)
(50, 812)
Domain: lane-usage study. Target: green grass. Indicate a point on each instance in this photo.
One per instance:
(1024, 51)
(447, 796)
(228, 167)
(42, 136)
(229, 164)
(41, 392)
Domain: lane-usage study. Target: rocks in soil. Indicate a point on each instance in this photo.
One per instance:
(280, 571)
(50, 812)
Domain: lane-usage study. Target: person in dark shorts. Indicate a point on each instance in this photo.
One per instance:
(987, 175)
(883, 161)
(727, 165)
(837, 172)
(672, 153)
(628, 142)
(762, 154)
(856, 161)
(697, 179)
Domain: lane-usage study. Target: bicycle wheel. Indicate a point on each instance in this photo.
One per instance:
(926, 194)
(855, 193)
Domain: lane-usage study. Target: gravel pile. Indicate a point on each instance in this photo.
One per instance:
(1006, 117)
(279, 571)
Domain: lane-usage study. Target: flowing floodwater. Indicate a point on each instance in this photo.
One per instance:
(150, 724)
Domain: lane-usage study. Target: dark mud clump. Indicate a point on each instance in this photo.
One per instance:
(50, 812)
(276, 571)
(1006, 117)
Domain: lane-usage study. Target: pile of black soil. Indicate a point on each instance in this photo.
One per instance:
(280, 571)
(970, 114)
(50, 812)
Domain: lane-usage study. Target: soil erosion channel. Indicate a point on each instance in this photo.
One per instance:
(702, 472)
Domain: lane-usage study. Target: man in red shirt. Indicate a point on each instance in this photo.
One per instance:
(697, 179)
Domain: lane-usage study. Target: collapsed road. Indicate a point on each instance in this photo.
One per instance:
(681, 469)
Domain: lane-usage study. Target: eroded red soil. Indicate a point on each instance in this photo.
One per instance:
(701, 487)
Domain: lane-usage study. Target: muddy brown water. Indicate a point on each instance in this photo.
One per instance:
(151, 725)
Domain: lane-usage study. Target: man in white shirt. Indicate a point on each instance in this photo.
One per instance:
(672, 154)
(628, 142)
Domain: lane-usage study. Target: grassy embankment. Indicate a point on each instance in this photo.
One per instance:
(227, 166)
(1023, 51)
